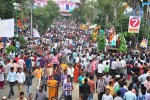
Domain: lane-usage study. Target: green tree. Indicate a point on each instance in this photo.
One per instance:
(106, 7)
(44, 16)
(85, 11)
(6, 9)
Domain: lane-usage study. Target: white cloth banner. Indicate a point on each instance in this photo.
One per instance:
(35, 33)
(7, 28)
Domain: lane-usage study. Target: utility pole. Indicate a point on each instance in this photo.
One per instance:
(31, 19)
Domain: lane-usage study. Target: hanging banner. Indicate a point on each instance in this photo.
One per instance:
(7, 28)
(134, 24)
(143, 43)
(36, 33)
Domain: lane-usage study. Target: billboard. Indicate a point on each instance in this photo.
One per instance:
(134, 24)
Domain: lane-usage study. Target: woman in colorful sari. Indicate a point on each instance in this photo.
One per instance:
(77, 70)
(53, 88)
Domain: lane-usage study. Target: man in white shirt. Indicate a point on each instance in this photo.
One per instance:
(113, 67)
(106, 60)
(21, 63)
(70, 71)
(123, 62)
(9, 65)
(120, 67)
(100, 68)
(107, 95)
(77, 59)
(107, 79)
(142, 78)
(20, 79)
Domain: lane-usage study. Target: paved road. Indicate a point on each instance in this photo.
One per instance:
(5, 91)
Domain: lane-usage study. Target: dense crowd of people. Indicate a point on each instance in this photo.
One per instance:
(66, 55)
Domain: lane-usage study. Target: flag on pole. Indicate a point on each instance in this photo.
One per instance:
(7, 28)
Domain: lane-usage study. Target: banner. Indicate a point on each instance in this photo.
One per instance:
(35, 33)
(134, 24)
(7, 28)
(144, 43)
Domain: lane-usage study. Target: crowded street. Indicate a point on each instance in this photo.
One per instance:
(75, 50)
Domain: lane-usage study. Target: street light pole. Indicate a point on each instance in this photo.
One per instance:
(17, 8)
(31, 18)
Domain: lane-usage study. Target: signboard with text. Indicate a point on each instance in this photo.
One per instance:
(134, 24)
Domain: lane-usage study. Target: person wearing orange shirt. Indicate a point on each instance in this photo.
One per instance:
(110, 87)
(38, 74)
(63, 66)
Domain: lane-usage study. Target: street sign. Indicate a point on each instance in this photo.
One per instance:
(134, 24)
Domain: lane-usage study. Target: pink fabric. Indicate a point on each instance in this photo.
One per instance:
(147, 84)
(55, 60)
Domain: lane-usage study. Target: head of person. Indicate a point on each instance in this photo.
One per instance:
(65, 71)
(119, 93)
(30, 96)
(83, 74)
(16, 56)
(107, 63)
(136, 81)
(148, 78)
(39, 67)
(12, 69)
(20, 69)
(100, 76)
(21, 95)
(41, 88)
(45, 72)
(68, 78)
(14, 61)
(8, 60)
(121, 84)
(130, 88)
(143, 90)
(125, 83)
(85, 80)
(107, 91)
(111, 83)
(100, 61)
(106, 73)
(87, 75)
(91, 77)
